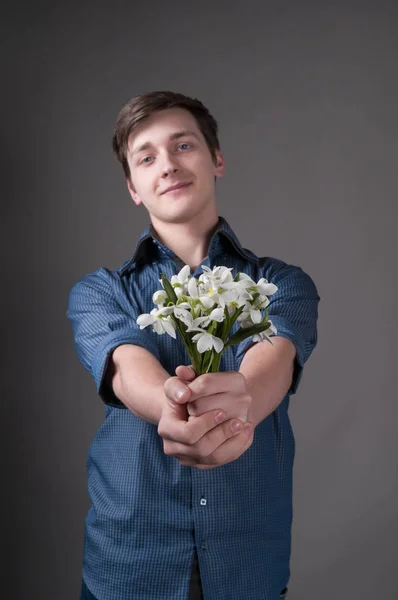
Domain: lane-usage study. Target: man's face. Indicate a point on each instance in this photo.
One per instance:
(166, 150)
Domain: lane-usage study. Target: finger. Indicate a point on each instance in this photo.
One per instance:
(230, 450)
(206, 445)
(210, 384)
(176, 390)
(188, 432)
(186, 373)
(234, 406)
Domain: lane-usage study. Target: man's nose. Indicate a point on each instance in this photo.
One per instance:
(169, 165)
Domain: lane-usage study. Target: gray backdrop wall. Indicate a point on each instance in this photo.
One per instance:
(306, 96)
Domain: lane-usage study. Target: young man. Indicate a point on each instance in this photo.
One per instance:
(190, 477)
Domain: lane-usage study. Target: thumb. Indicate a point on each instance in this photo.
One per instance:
(186, 373)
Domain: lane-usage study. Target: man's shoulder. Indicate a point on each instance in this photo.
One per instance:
(102, 280)
(275, 270)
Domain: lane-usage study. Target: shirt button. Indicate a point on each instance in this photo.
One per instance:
(203, 545)
(203, 501)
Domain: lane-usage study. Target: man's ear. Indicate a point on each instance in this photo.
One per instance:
(133, 193)
(219, 164)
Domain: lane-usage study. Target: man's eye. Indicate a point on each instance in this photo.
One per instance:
(146, 159)
(184, 146)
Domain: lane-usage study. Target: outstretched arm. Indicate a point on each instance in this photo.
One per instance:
(268, 371)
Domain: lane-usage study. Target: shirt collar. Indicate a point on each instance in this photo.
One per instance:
(216, 246)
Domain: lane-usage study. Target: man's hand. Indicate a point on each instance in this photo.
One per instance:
(226, 391)
(211, 438)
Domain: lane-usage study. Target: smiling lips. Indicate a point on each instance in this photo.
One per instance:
(175, 187)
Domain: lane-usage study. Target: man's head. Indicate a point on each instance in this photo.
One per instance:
(163, 139)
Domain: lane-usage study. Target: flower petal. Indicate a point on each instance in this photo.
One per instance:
(204, 342)
(144, 320)
(193, 287)
(255, 316)
(159, 297)
(217, 315)
(207, 301)
(158, 326)
(169, 327)
(266, 288)
(183, 274)
(217, 343)
(166, 310)
(199, 321)
(184, 315)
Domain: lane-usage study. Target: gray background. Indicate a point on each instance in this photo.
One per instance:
(306, 96)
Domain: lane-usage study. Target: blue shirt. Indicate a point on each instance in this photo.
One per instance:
(148, 512)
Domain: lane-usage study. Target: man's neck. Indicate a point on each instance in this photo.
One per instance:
(189, 241)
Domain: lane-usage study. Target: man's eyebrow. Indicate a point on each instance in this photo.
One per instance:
(180, 134)
(174, 136)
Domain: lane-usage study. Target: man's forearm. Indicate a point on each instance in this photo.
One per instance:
(268, 371)
(137, 379)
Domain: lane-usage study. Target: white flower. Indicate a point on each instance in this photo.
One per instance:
(197, 324)
(262, 302)
(193, 287)
(249, 315)
(261, 287)
(207, 301)
(266, 288)
(235, 304)
(265, 335)
(159, 297)
(186, 317)
(206, 341)
(223, 274)
(180, 281)
(194, 290)
(160, 320)
(219, 294)
(217, 315)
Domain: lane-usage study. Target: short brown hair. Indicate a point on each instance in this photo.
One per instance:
(142, 106)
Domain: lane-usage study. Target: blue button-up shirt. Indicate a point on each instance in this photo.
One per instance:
(148, 512)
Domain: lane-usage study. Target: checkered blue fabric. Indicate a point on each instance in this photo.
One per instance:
(148, 512)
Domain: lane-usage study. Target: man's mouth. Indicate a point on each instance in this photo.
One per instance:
(175, 188)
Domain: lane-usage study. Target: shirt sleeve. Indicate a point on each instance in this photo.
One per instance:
(293, 309)
(100, 323)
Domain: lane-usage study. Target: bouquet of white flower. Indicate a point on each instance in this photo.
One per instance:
(203, 312)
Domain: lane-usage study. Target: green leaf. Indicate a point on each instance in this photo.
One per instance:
(242, 334)
(168, 288)
(225, 325)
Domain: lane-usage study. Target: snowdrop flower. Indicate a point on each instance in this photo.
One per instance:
(249, 315)
(160, 320)
(203, 303)
(217, 315)
(186, 317)
(195, 291)
(223, 274)
(180, 281)
(206, 341)
(235, 304)
(194, 324)
(266, 288)
(261, 287)
(221, 295)
(265, 335)
(159, 297)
